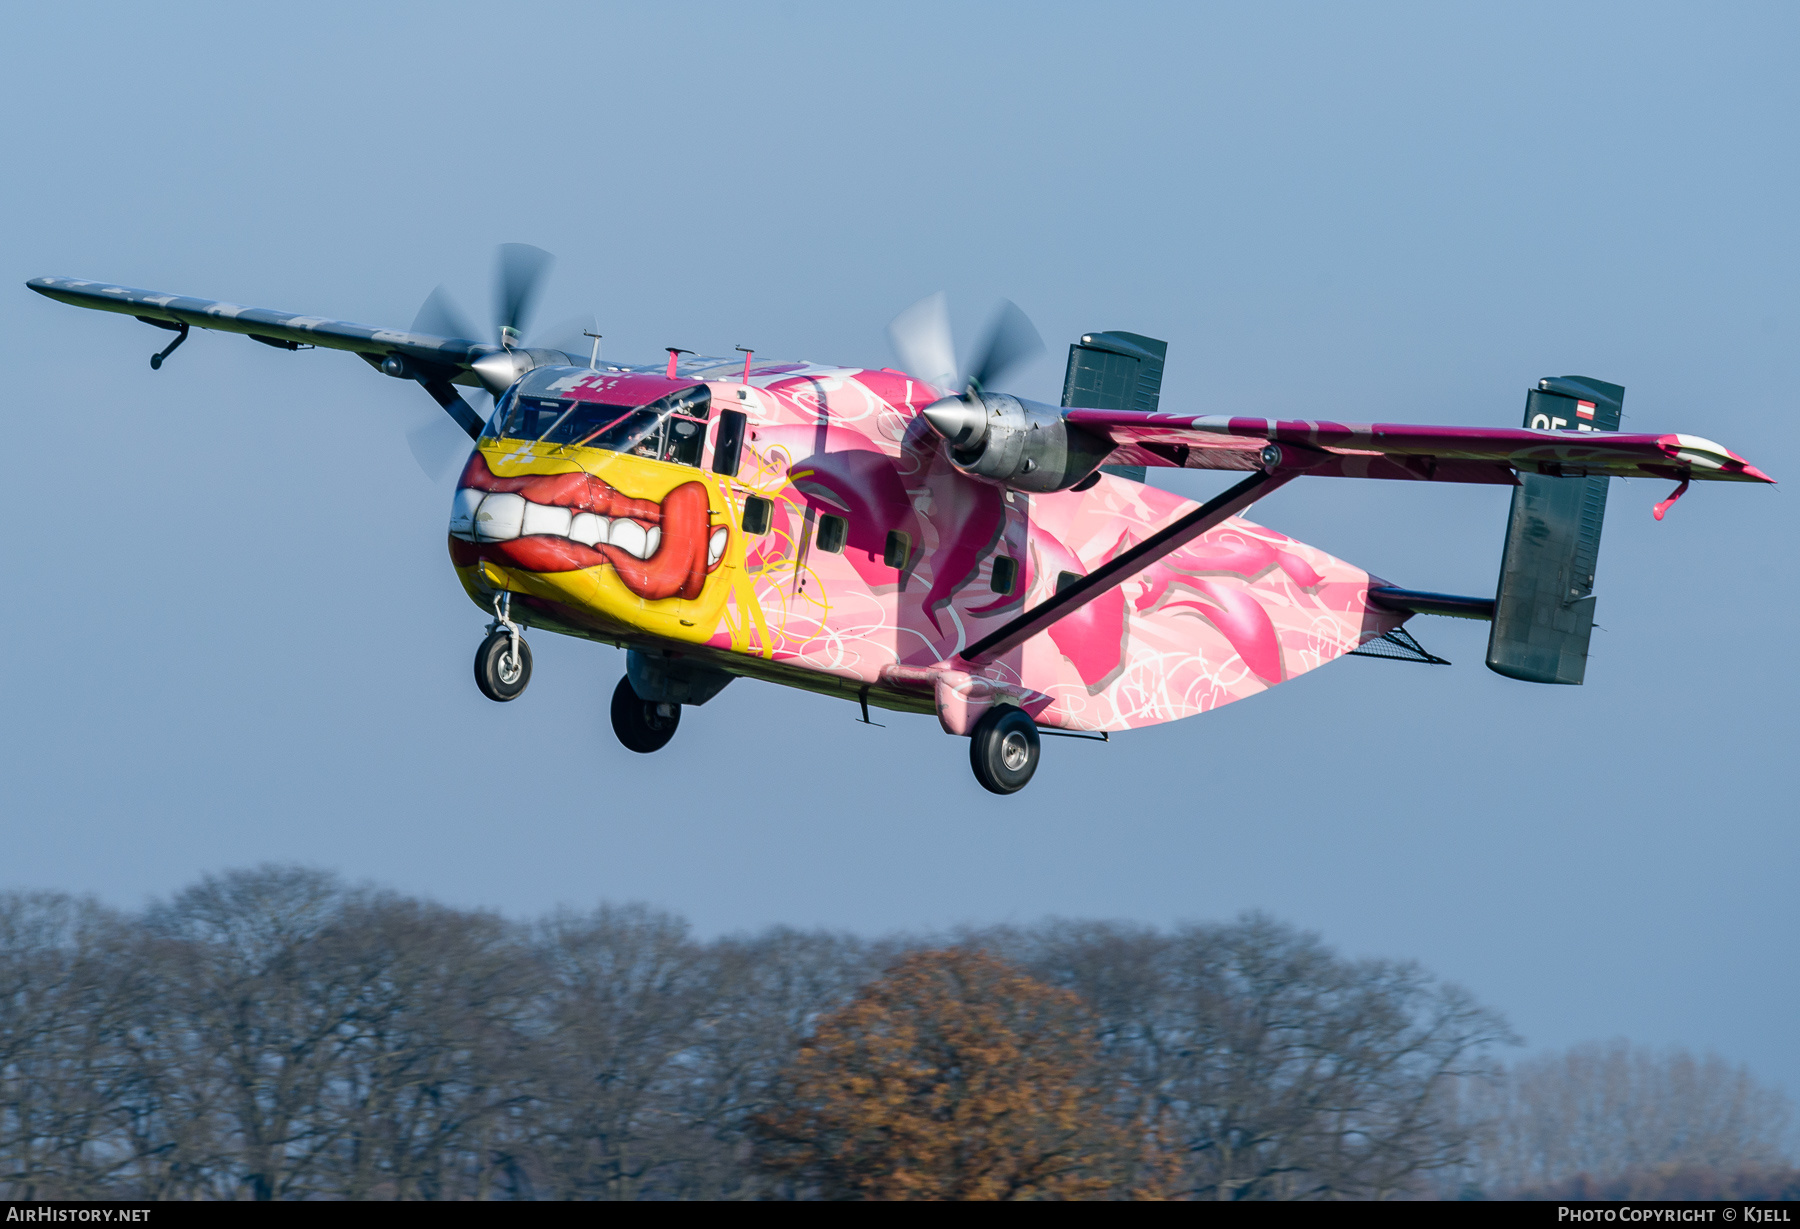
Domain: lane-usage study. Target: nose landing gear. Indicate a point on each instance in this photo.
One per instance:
(642, 725)
(503, 662)
(1003, 749)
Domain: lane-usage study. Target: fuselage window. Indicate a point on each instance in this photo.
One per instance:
(1065, 579)
(832, 530)
(758, 513)
(1006, 574)
(899, 549)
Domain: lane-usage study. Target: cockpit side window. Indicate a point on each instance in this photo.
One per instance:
(694, 402)
(686, 435)
(496, 422)
(686, 413)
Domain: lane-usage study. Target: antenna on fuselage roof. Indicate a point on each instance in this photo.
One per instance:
(674, 354)
(594, 362)
(747, 353)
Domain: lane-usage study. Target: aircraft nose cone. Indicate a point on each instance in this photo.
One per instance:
(956, 420)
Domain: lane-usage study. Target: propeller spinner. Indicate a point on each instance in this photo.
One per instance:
(1009, 440)
(518, 278)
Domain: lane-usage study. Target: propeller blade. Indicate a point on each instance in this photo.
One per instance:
(1011, 340)
(921, 337)
(570, 336)
(439, 446)
(522, 268)
(440, 317)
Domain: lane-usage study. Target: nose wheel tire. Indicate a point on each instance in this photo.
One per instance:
(1003, 750)
(642, 725)
(501, 675)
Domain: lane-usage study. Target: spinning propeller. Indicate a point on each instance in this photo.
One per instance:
(520, 273)
(437, 445)
(923, 339)
(1021, 444)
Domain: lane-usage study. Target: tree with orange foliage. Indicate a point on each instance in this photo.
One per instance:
(953, 1076)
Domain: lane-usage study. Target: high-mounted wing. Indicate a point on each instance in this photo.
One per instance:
(1388, 450)
(283, 329)
(1278, 451)
(434, 362)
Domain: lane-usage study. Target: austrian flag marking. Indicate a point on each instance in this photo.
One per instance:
(1584, 409)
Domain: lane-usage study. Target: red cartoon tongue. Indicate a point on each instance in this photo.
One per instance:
(677, 569)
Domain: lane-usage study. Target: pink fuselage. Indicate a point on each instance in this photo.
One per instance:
(1235, 611)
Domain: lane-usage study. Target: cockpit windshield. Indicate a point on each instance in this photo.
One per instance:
(672, 428)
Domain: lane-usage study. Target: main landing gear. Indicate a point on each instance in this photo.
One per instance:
(503, 662)
(1003, 749)
(642, 725)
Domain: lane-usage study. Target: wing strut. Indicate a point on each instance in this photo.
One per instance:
(445, 394)
(1171, 537)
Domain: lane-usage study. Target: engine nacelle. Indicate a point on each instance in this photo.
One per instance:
(1021, 444)
(499, 369)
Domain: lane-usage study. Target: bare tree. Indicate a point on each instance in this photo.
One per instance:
(1608, 1109)
(253, 1026)
(1276, 1068)
(625, 997)
(438, 1045)
(66, 997)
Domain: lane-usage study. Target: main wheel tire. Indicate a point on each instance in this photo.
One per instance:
(499, 676)
(1003, 750)
(642, 725)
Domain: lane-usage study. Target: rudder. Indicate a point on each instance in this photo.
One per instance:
(1544, 605)
(1116, 371)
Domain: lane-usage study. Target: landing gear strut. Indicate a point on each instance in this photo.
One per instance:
(642, 725)
(503, 662)
(1003, 749)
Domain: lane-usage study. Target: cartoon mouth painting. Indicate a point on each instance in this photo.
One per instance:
(566, 522)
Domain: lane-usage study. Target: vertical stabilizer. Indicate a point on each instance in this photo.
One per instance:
(1544, 606)
(1116, 371)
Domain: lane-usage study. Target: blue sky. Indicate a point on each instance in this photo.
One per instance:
(236, 636)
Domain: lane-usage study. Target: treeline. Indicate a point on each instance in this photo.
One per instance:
(275, 1034)
(1617, 1121)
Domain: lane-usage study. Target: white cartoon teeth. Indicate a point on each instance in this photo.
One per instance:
(462, 512)
(499, 518)
(587, 529)
(715, 545)
(544, 519)
(478, 516)
(629, 536)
